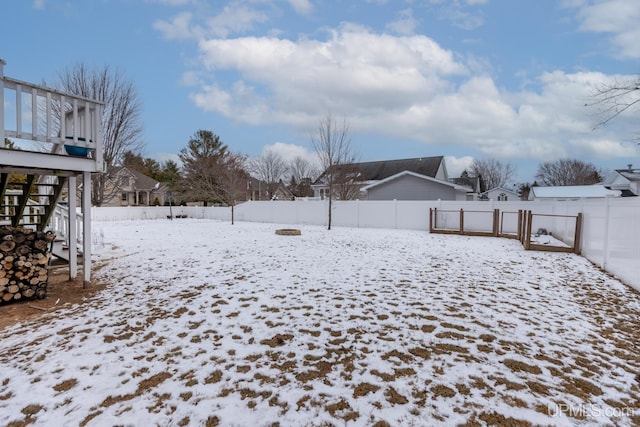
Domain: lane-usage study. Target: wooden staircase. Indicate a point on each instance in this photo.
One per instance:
(32, 200)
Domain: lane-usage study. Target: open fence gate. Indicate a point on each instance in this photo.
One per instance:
(555, 233)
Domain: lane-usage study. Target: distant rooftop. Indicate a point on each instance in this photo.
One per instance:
(573, 192)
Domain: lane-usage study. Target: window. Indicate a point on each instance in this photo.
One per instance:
(502, 197)
(124, 197)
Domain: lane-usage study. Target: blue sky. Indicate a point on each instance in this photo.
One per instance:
(460, 78)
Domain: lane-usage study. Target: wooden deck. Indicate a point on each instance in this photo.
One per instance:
(52, 139)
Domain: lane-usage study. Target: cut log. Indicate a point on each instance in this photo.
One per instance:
(22, 250)
(7, 245)
(41, 245)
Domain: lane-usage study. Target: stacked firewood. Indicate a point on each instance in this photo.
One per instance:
(24, 257)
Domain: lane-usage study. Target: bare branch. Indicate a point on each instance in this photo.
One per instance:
(493, 172)
(614, 99)
(270, 167)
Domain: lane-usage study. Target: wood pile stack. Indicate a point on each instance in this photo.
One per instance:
(24, 257)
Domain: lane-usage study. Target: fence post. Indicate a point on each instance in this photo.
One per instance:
(395, 213)
(435, 218)
(461, 221)
(430, 220)
(527, 236)
(496, 220)
(576, 242)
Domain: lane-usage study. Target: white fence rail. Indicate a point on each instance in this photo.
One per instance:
(610, 232)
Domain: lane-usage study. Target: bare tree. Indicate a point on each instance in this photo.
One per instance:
(332, 144)
(301, 168)
(567, 172)
(121, 124)
(493, 172)
(232, 180)
(270, 167)
(301, 172)
(615, 98)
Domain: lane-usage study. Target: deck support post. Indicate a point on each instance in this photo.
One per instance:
(72, 228)
(86, 224)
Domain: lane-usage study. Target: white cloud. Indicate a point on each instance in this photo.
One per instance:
(38, 4)
(461, 13)
(180, 27)
(405, 24)
(455, 165)
(353, 69)
(235, 18)
(303, 7)
(405, 88)
(619, 18)
(288, 152)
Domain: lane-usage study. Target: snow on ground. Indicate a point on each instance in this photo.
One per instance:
(208, 323)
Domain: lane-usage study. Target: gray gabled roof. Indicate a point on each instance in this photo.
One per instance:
(375, 171)
(382, 169)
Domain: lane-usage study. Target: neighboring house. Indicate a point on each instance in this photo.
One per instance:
(407, 185)
(283, 192)
(473, 183)
(128, 187)
(500, 194)
(572, 192)
(627, 181)
(354, 177)
(257, 189)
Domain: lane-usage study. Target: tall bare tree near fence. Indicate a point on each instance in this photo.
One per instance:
(121, 122)
(494, 173)
(232, 180)
(302, 172)
(332, 144)
(270, 167)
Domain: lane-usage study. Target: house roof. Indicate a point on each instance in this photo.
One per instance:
(375, 171)
(621, 178)
(630, 174)
(379, 170)
(417, 175)
(572, 192)
(142, 181)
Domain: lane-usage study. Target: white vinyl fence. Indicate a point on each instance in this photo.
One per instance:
(610, 231)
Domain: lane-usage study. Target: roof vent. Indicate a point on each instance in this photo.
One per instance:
(629, 166)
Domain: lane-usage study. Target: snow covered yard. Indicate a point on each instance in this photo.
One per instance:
(205, 323)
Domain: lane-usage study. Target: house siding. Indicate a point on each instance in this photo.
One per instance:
(412, 188)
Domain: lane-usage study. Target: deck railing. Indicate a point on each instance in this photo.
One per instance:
(55, 122)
